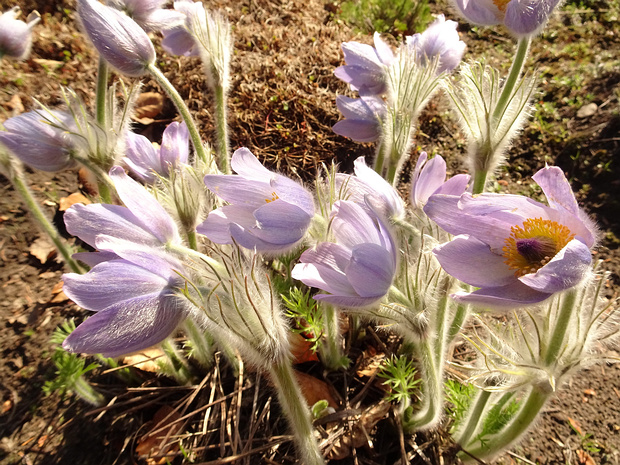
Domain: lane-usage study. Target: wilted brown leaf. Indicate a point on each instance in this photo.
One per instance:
(145, 360)
(584, 458)
(369, 362)
(88, 181)
(576, 426)
(43, 249)
(157, 440)
(57, 294)
(74, 198)
(148, 106)
(301, 348)
(314, 389)
(589, 392)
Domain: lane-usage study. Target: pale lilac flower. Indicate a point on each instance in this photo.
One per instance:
(516, 250)
(429, 177)
(365, 69)
(357, 269)
(134, 297)
(117, 37)
(266, 212)
(142, 221)
(179, 39)
(368, 184)
(147, 161)
(16, 35)
(36, 138)
(439, 41)
(363, 116)
(521, 17)
(149, 14)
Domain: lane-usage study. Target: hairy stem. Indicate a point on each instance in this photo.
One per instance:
(221, 124)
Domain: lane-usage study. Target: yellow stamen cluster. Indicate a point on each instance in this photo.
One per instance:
(548, 237)
(501, 4)
(274, 197)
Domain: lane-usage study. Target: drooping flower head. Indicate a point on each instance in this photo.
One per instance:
(117, 37)
(16, 35)
(37, 139)
(147, 161)
(363, 117)
(267, 212)
(357, 269)
(365, 69)
(516, 250)
(149, 14)
(521, 17)
(368, 184)
(429, 177)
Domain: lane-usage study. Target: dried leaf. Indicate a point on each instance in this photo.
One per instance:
(157, 440)
(584, 458)
(74, 198)
(6, 406)
(589, 392)
(57, 294)
(16, 105)
(301, 348)
(49, 65)
(314, 389)
(148, 106)
(369, 362)
(145, 360)
(43, 249)
(88, 181)
(576, 426)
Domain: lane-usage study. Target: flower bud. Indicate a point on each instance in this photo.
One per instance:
(15, 35)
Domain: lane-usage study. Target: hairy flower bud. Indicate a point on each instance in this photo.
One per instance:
(16, 35)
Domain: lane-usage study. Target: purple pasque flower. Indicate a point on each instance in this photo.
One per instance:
(357, 269)
(439, 41)
(141, 221)
(149, 14)
(516, 250)
(368, 184)
(266, 212)
(365, 69)
(363, 117)
(16, 35)
(178, 39)
(521, 17)
(147, 162)
(429, 177)
(36, 138)
(134, 297)
(117, 37)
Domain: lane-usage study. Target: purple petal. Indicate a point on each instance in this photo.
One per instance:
(383, 50)
(110, 283)
(471, 261)
(94, 258)
(15, 35)
(456, 185)
(481, 12)
(294, 193)
(432, 174)
(281, 223)
(377, 184)
(352, 225)
(502, 298)
(370, 270)
(142, 158)
(567, 269)
(149, 212)
(527, 17)
(127, 327)
(362, 55)
(346, 301)
(244, 163)
(217, 225)
(239, 190)
(179, 41)
(557, 189)
(174, 145)
(358, 130)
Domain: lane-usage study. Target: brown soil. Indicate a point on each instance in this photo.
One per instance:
(282, 108)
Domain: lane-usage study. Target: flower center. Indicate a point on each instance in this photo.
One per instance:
(274, 197)
(501, 4)
(532, 245)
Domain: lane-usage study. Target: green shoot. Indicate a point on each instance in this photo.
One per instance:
(306, 313)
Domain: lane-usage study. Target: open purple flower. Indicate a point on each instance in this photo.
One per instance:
(142, 221)
(146, 161)
(363, 116)
(357, 269)
(117, 37)
(37, 139)
(521, 17)
(429, 177)
(439, 41)
(149, 14)
(516, 250)
(134, 297)
(16, 35)
(266, 212)
(179, 38)
(365, 69)
(367, 183)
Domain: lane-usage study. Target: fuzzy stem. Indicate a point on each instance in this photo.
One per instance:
(178, 367)
(331, 349)
(202, 344)
(493, 445)
(293, 403)
(473, 419)
(221, 124)
(561, 325)
(191, 239)
(460, 317)
(20, 185)
(102, 92)
(176, 98)
(85, 391)
(380, 158)
(513, 77)
(391, 173)
(480, 181)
